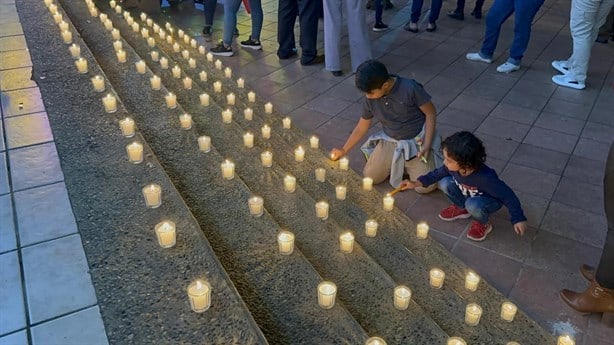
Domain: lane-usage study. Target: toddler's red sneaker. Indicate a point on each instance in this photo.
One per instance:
(453, 212)
(478, 231)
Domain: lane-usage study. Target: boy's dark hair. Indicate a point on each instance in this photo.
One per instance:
(371, 75)
(466, 149)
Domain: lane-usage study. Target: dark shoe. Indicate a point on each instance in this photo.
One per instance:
(251, 44)
(388, 5)
(595, 299)
(602, 39)
(411, 27)
(430, 27)
(380, 27)
(337, 73)
(316, 60)
(207, 33)
(456, 15)
(588, 272)
(477, 14)
(221, 50)
(292, 54)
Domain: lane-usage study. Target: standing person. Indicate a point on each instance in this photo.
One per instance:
(308, 12)
(586, 17)
(379, 22)
(599, 296)
(459, 12)
(224, 48)
(360, 47)
(474, 189)
(209, 7)
(524, 11)
(408, 139)
(416, 11)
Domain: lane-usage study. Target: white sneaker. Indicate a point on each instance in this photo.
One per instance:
(477, 57)
(561, 66)
(508, 67)
(568, 81)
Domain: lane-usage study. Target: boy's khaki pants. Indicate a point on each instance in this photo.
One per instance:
(380, 160)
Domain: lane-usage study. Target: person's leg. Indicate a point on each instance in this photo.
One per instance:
(379, 162)
(308, 11)
(460, 6)
(435, 10)
(525, 11)
(416, 10)
(286, 17)
(360, 46)
(481, 207)
(477, 10)
(416, 168)
(379, 10)
(257, 19)
(230, 19)
(606, 29)
(605, 270)
(333, 18)
(497, 15)
(451, 190)
(209, 7)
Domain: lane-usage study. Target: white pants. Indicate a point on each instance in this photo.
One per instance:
(586, 17)
(360, 47)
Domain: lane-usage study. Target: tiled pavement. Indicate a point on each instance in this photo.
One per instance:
(46, 293)
(547, 142)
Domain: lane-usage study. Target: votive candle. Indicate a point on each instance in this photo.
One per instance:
(166, 234)
(63, 25)
(75, 51)
(314, 142)
(204, 99)
(251, 96)
(346, 242)
(156, 82)
(268, 108)
(285, 240)
(508, 311)
(201, 50)
(110, 103)
(436, 278)
(322, 210)
(171, 100)
(67, 36)
(367, 183)
(473, 312)
(422, 230)
(155, 56)
(140, 67)
(371, 228)
(185, 53)
(320, 174)
(565, 339)
(228, 72)
(176, 47)
(186, 121)
(199, 293)
(115, 34)
(266, 131)
(227, 116)
(240, 83)
(218, 64)
(286, 122)
(163, 63)
(248, 113)
(127, 127)
(209, 57)
(98, 83)
(192, 63)
(299, 154)
(456, 341)
(135, 152)
(472, 280)
(176, 71)
(375, 341)
(402, 296)
(326, 294)
(153, 195)
(266, 158)
(187, 83)
(256, 206)
(204, 143)
(202, 75)
(248, 140)
(344, 163)
(388, 202)
(151, 42)
(81, 65)
(230, 98)
(117, 45)
(217, 86)
(289, 183)
(121, 56)
(341, 192)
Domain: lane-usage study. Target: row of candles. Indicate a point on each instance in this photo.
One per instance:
(199, 291)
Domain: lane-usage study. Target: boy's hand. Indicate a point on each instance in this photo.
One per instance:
(335, 154)
(407, 184)
(520, 228)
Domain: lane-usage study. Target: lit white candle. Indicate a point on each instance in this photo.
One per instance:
(371, 228)
(48, 3)
(299, 154)
(268, 108)
(266, 131)
(217, 86)
(201, 50)
(98, 83)
(512, 343)
(388, 202)
(171, 100)
(256, 206)
(240, 83)
(145, 33)
(326, 294)
(168, 26)
(135, 152)
(320, 175)
(266, 158)
(322, 210)
(118, 9)
(81, 64)
(227, 116)
(285, 240)
(149, 22)
(156, 28)
(136, 27)
(176, 71)
(228, 170)
(164, 63)
(166, 234)
(121, 56)
(456, 341)
(230, 98)
(344, 163)
(218, 64)
(75, 51)
(367, 183)
(108, 25)
(187, 83)
(63, 25)
(375, 341)
(251, 96)
(112, 3)
(57, 17)
(140, 67)
(184, 53)
(204, 99)
(341, 192)
(346, 242)
(204, 143)
(286, 122)
(151, 42)
(153, 195)
(162, 34)
(186, 39)
(193, 43)
(472, 280)
(115, 34)
(473, 312)
(202, 75)
(67, 36)
(155, 56)
(422, 230)
(199, 294)
(110, 103)
(314, 142)
(186, 121)
(156, 82)
(103, 17)
(436, 278)
(209, 57)
(248, 113)
(565, 339)
(508, 311)
(93, 12)
(129, 20)
(248, 140)
(289, 183)
(127, 127)
(192, 63)
(169, 39)
(180, 33)
(402, 296)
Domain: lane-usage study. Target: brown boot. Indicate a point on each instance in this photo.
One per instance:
(595, 299)
(588, 272)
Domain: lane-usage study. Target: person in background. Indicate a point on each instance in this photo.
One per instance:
(379, 23)
(606, 31)
(308, 13)
(224, 48)
(459, 12)
(416, 11)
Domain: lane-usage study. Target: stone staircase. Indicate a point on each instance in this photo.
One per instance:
(259, 296)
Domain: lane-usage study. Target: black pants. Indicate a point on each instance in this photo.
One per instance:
(209, 9)
(308, 12)
(605, 271)
(460, 5)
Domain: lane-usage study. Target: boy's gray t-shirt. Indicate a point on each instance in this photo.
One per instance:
(399, 111)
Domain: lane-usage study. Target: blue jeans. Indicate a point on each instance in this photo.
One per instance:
(479, 207)
(499, 12)
(230, 19)
(416, 10)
